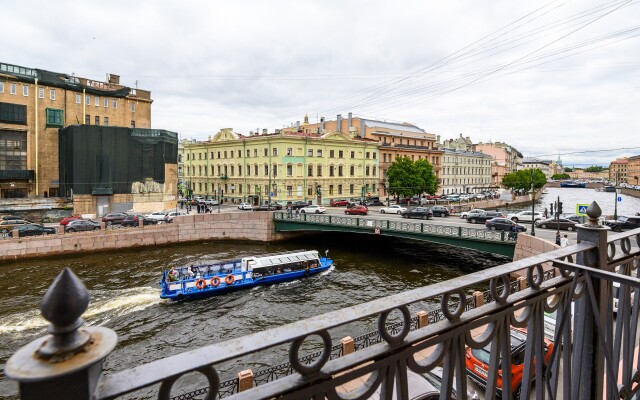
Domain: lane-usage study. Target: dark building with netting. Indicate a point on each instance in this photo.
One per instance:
(112, 169)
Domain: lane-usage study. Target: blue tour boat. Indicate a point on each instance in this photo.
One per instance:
(211, 279)
(572, 184)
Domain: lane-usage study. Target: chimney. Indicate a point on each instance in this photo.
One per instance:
(438, 139)
(362, 126)
(339, 123)
(321, 124)
(115, 79)
(265, 131)
(349, 120)
(297, 126)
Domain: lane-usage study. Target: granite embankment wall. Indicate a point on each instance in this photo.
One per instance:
(528, 246)
(256, 226)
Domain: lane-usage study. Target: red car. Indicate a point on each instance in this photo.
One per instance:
(477, 362)
(357, 210)
(66, 220)
(339, 203)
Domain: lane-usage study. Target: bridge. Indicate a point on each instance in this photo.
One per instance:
(594, 355)
(495, 242)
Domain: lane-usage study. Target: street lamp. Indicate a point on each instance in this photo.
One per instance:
(615, 204)
(533, 206)
(386, 186)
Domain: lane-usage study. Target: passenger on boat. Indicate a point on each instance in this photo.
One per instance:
(172, 276)
(191, 271)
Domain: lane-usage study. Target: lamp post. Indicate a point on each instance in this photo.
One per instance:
(533, 206)
(386, 186)
(615, 199)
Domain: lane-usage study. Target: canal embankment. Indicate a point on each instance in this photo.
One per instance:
(252, 226)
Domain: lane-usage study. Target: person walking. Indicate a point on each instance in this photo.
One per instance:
(558, 238)
(564, 241)
(546, 213)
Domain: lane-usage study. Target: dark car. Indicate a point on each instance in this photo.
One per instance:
(418, 212)
(33, 230)
(357, 210)
(504, 224)
(265, 207)
(114, 218)
(276, 205)
(477, 218)
(9, 217)
(440, 211)
(624, 223)
(132, 220)
(374, 203)
(80, 225)
(64, 221)
(10, 224)
(296, 205)
(561, 223)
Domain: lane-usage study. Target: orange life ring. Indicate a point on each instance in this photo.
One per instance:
(215, 281)
(229, 279)
(201, 283)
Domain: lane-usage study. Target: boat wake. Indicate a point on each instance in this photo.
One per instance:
(116, 303)
(331, 268)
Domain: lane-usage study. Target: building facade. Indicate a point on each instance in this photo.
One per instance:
(464, 170)
(35, 104)
(284, 166)
(633, 170)
(618, 170)
(535, 163)
(395, 140)
(505, 159)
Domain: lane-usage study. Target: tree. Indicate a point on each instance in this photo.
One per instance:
(407, 177)
(558, 177)
(567, 169)
(522, 179)
(594, 168)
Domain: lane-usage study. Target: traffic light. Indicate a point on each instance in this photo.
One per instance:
(559, 207)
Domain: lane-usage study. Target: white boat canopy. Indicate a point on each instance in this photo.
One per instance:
(279, 259)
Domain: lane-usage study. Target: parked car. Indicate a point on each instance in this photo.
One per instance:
(477, 362)
(339, 203)
(465, 214)
(561, 223)
(394, 209)
(417, 212)
(264, 207)
(503, 224)
(440, 211)
(478, 218)
(211, 202)
(33, 230)
(157, 215)
(527, 216)
(8, 225)
(81, 225)
(114, 218)
(356, 210)
(245, 206)
(64, 221)
(297, 205)
(623, 223)
(173, 214)
(426, 386)
(276, 205)
(9, 217)
(313, 209)
(132, 220)
(373, 203)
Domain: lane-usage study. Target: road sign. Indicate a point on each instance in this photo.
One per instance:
(271, 194)
(619, 199)
(581, 209)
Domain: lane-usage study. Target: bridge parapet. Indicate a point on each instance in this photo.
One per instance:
(587, 344)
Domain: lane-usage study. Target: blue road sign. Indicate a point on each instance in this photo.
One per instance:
(619, 199)
(581, 209)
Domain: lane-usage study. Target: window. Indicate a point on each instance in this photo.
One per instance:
(97, 102)
(340, 154)
(106, 121)
(275, 151)
(319, 170)
(340, 172)
(309, 190)
(41, 93)
(218, 154)
(87, 119)
(105, 103)
(1, 87)
(240, 189)
(213, 171)
(330, 153)
(115, 103)
(199, 156)
(255, 153)
(239, 153)
(240, 171)
(225, 154)
(87, 100)
(384, 157)
(248, 170)
(331, 169)
(352, 170)
(133, 124)
(25, 90)
(289, 151)
(97, 120)
(289, 169)
(133, 107)
(374, 171)
(367, 170)
(309, 152)
(266, 170)
(310, 170)
(289, 191)
(319, 152)
(353, 154)
(351, 189)
(78, 99)
(13, 88)
(255, 170)
(13, 150)
(212, 155)
(52, 94)
(275, 170)
(339, 189)
(375, 155)
(330, 189)
(219, 170)
(13, 113)
(368, 155)
(248, 153)
(232, 170)
(55, 118)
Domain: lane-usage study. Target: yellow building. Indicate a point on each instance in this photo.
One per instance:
(618, 170)
(35, 103)
(282, 166)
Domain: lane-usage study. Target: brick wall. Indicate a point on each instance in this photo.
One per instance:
(257, 226)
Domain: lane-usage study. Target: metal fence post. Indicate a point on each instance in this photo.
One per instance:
(348, 345)
(67, 363)
(245, 380)
(588, 364)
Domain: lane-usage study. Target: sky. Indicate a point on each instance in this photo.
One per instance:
(547, 77)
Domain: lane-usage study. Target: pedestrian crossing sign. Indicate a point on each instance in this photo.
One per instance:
(581, 209)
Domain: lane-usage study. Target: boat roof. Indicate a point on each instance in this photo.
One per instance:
(283, 258)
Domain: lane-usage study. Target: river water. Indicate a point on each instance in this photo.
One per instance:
(125, 294)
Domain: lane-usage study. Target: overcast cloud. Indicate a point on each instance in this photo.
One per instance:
(547, 77)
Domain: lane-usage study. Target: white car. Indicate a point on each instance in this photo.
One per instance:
(245, 206)
(313, 209)
(157, 215)
(395, 209)
(211, 202)
(527, 216)
(465, 214)
(172, 214)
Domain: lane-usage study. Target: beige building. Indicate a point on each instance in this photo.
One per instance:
(633, 170)
(505, 159)
(582, 174)
(618, 170)
(535, 163)
(395, 140)
(35, 103)
(283, 166)
(464, 170)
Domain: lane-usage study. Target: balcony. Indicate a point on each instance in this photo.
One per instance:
(17, 174)
(592, 356)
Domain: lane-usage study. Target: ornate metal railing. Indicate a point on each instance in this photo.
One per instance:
(394, 225)
(592, 355)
